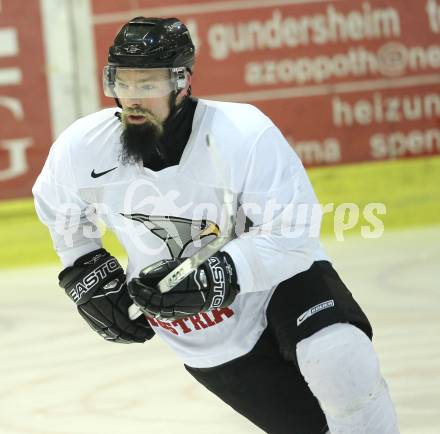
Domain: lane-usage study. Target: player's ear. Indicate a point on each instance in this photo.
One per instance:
(186, 91)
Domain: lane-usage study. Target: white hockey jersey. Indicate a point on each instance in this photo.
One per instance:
(172, 213)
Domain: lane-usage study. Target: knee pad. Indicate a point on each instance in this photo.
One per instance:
(341, 368)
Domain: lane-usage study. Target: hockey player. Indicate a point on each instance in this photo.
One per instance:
(266, 323)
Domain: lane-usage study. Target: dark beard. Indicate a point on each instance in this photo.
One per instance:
(141, 144)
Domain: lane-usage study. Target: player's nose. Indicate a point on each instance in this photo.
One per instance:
(136, 105)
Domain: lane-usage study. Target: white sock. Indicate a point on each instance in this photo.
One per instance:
(341, 368)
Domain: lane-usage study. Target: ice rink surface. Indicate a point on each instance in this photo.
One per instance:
(57, 377)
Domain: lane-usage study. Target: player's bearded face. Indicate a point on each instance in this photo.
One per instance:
(142, 130)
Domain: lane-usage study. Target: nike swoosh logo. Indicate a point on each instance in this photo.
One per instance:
(302, 317)
(97, 175)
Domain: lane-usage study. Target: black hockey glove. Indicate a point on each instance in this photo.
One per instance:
(213, 284)
(96, 283)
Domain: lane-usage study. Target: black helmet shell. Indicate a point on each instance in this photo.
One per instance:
(152, 43)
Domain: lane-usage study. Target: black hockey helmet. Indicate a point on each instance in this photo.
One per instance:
(152, 43)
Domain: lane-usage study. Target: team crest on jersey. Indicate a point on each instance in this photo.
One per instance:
(176, 232)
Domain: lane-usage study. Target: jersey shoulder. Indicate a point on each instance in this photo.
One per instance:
(88, 137)
(235, 127)
(245, 120)
(93, 129)
(92, 138)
